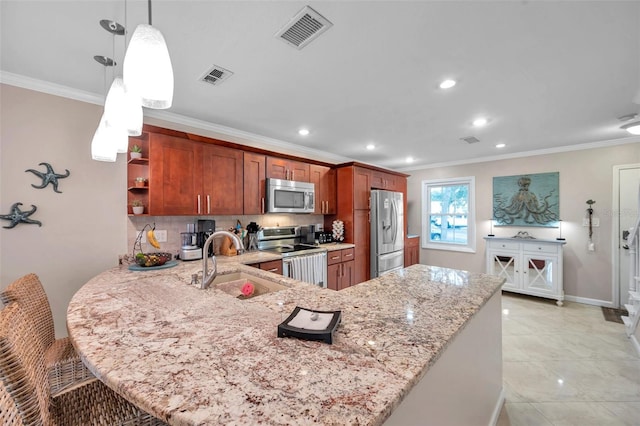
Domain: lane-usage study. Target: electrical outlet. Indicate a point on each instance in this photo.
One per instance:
(161, 235)
(594, 222)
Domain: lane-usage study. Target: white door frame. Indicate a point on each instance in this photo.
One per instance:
(616, 240)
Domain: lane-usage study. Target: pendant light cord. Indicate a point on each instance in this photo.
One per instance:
(149, 2)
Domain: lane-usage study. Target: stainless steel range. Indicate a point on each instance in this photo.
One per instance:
(301, 258)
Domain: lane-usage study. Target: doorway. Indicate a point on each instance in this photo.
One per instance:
(626, 192)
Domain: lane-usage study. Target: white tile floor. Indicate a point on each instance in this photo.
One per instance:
(566, 366)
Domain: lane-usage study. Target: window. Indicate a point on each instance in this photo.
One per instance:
(448, 214)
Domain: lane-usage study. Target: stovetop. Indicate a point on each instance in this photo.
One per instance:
(296, 249)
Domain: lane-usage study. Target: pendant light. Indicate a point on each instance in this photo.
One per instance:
(124, 110)
(147, 67)
(633, 128)
(102, 145)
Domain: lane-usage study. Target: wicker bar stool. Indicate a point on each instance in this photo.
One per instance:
(64, 366)
(25, 397)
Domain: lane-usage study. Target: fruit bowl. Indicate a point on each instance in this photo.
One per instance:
(152, 259)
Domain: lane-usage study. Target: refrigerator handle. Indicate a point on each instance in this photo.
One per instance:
(394, 220)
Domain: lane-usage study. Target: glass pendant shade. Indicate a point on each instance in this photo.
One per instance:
(147, 68)
(101, 147)
(108, 141)
(123, 109)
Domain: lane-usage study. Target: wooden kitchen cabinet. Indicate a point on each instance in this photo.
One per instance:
(411, 251)
(254, 183)
(282, 168)
(175, 180)
(274, 266)
(222, 181)
(194, 178)
(324, 179)
(341, 269)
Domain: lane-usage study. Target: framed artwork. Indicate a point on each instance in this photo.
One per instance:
(527, 200)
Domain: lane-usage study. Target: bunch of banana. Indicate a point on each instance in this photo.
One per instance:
(151, 238)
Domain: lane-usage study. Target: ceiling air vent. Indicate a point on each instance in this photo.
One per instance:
(216, 75)
(303, 28)
(470, 139)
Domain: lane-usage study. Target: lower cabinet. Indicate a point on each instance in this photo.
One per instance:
(341, 272)
(532, 267)
(274, 266)
(411, 251)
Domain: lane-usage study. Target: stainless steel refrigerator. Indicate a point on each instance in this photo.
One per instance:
(387, 234)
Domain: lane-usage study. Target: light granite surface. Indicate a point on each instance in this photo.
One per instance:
(200, 357)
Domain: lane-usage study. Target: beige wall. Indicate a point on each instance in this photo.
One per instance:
(584, 175)
(83, 229)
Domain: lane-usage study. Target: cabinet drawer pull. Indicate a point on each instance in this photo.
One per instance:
(272, 270)
(335, 257)
(348, 255)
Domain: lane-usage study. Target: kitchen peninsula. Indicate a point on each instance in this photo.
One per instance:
(419, 345)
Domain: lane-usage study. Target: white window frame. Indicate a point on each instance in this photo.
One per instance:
(470, 247)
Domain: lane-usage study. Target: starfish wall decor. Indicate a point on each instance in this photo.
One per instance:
(18, 216)
(48, 177)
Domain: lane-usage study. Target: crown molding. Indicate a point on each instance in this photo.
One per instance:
(171, 119)
(555, 150)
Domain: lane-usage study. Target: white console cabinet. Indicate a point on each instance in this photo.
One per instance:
(530, 266)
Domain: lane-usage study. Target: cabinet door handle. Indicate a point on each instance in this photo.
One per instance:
(262, 200)
(342, 269)
(208, 204)
(293, 174)
(198, 203)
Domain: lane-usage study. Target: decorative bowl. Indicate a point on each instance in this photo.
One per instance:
(153, 259)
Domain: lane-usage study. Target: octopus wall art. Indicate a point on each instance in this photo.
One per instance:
(526, 200)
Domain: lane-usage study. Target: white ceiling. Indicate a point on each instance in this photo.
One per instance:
(547, 74)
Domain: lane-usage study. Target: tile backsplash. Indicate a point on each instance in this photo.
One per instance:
(174, 225)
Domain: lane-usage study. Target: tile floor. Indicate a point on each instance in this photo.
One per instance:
(566, 366)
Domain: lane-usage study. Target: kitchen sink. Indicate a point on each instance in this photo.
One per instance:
(233, 283)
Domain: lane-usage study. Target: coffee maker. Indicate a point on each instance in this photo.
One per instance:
(206, 227)
(189, 249)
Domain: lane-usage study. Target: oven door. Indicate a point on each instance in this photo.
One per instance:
(310, 268)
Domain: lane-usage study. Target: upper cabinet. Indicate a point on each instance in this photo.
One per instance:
(281, 168)
(193, 178)
(324, 179)
(176, 176)
(222, 180)
(388, 181)
(254, 183)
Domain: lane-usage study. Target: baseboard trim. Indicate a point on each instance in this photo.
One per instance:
(587, 301)
(635, 343)
(498, 408)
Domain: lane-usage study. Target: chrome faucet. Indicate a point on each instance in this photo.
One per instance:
(207, 278)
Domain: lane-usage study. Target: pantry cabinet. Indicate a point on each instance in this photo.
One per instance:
(530, 266)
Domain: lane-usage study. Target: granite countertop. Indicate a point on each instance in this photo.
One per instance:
(195, 357)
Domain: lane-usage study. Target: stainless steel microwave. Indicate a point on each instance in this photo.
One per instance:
(288, 196)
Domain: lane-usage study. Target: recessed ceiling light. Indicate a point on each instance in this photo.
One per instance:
(501, 145)
(409, 159)
(479, 122)
(303, 132)
(447, 84)
(371, 147)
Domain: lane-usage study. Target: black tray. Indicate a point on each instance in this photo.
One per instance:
(285, 329)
